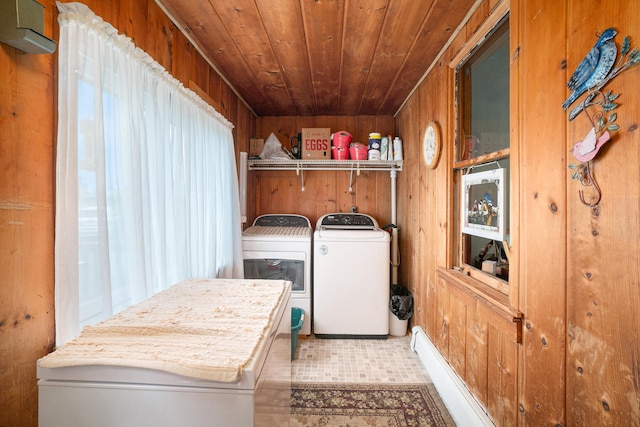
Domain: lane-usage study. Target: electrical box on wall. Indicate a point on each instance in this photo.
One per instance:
(22, 26)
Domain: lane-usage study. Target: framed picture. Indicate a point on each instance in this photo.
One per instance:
(482, 204)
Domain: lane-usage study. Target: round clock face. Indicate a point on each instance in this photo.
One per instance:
(431, 145)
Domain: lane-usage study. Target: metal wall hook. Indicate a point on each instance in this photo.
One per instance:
(589, 180)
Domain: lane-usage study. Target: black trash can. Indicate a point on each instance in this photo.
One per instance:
(401, 309)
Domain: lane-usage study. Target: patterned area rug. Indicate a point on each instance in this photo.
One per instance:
(356, 405)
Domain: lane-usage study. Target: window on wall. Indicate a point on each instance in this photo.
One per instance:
(482, 159)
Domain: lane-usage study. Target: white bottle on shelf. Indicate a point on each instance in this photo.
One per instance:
(384, 149)
(397, 148)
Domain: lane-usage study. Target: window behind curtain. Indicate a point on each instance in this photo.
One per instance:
(146, 185)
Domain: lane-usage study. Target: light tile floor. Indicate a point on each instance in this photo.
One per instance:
(328, 360)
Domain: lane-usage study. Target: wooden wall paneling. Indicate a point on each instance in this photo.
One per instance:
(160, 45)
(324, 194)
(130, 12)
(286, 129)
(491, 349)
(426, 306)
(348, 123)
(213, 87)
(383, 195)
(386, 126)
(182, 69)
(543, 222)
(477, 354)
(416, 208)
(439, 180)
(457, 336)
(289, 189)
(250, 131)
(267, 188)
(603, 265)
(267, 124)
(324, 121)
(201, 71)
(239, 120)
(366, 125)
(502, 393)
(442, 335)
(109, 11)
(346, 199)
(26, 227)
(225, 99)
(411, 230)
(233, 116)
(376, 198)
(270, 200)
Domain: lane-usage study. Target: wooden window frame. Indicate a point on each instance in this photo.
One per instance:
(473, 274)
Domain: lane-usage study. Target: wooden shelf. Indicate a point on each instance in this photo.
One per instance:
(357, 165)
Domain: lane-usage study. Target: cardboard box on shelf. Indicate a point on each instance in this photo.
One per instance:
(316, 143)
(255, 146)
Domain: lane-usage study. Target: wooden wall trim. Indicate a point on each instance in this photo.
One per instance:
(481, 33)
(204, 95)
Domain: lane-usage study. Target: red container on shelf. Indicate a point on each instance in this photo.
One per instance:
(342, 139)
(358, 151)
(339, 153)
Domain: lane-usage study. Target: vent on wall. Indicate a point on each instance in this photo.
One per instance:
(22, 26)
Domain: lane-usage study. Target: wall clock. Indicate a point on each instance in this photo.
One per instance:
(431, 145)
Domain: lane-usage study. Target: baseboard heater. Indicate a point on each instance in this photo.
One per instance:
(464, 408)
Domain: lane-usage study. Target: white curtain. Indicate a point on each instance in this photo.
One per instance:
(146, 185)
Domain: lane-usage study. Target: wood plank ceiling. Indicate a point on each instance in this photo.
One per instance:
(320, 57)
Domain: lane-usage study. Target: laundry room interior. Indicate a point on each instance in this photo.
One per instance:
(514, 239)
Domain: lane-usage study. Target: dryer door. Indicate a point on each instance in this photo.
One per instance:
(277, 266)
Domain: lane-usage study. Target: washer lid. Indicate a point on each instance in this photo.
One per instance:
(268, 233)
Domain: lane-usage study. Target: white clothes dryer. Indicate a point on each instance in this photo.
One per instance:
(351, 277)
(278, 246)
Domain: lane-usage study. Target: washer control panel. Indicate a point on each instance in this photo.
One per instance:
(273, 220)
(348, 220)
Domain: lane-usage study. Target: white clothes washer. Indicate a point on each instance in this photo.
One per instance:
(278, 246)
(351, 277)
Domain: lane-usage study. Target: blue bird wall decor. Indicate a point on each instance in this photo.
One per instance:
(594, 67)
(595, 71)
